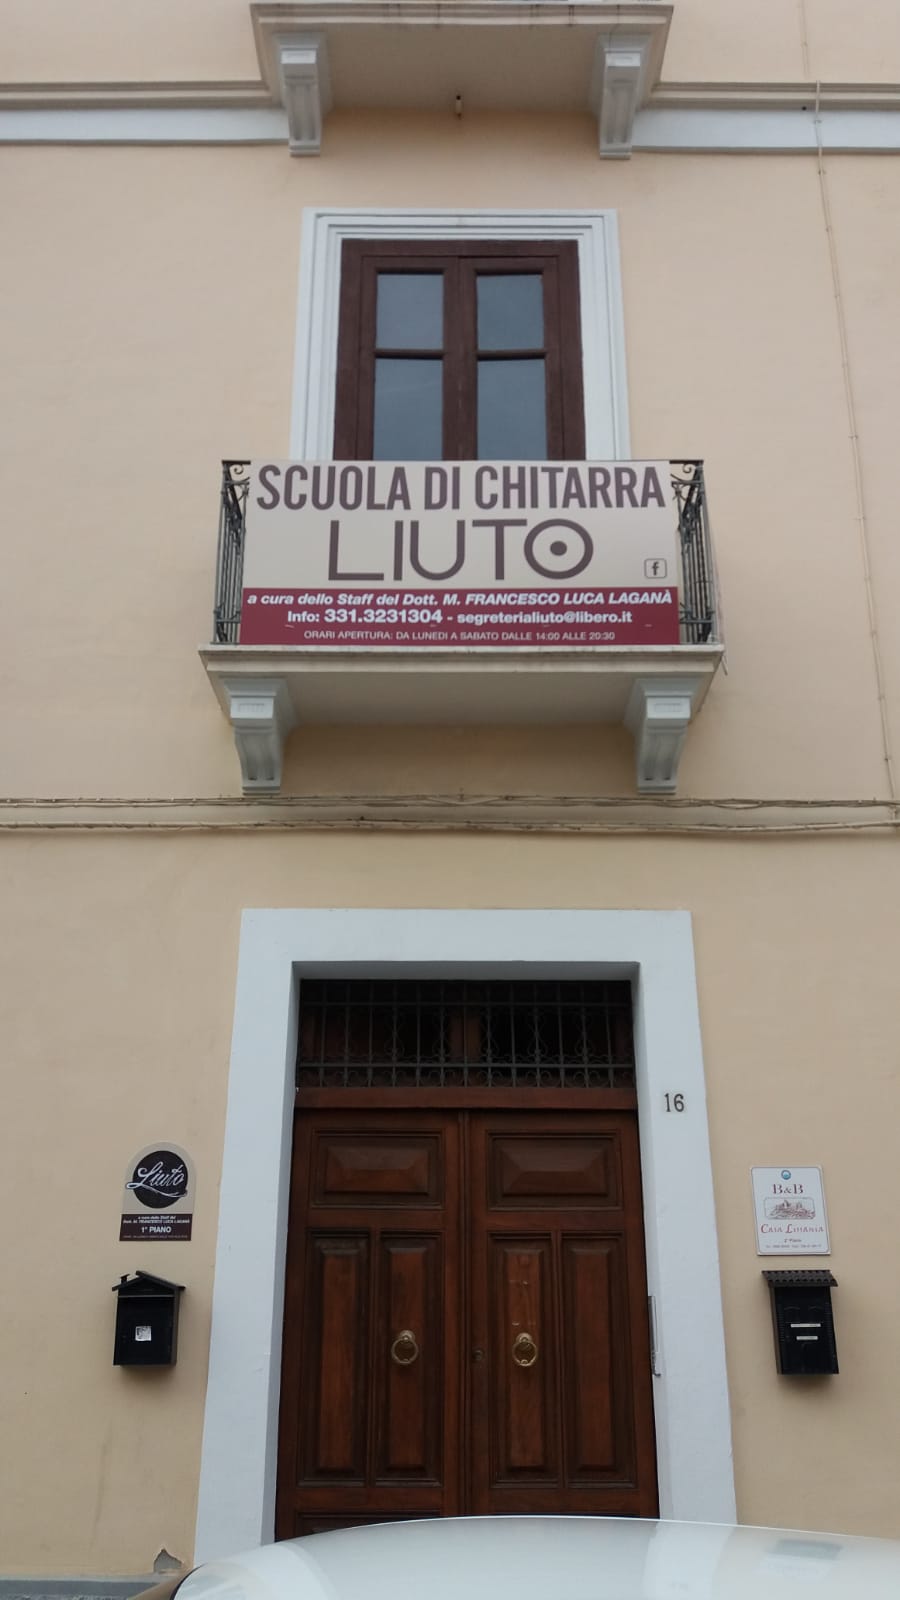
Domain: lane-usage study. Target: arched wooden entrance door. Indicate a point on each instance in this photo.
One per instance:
(466, 1312)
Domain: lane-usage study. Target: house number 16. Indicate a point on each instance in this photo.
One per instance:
(674, 1102)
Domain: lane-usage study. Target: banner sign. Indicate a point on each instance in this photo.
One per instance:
(477, 554)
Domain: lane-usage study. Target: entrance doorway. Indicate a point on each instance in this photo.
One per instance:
(465, 1316)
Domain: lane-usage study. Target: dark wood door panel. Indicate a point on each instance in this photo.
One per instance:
(409, 1375)
(334, 1397)
(599, 1427)
(376, 1169)
(521, 1405)
(543, 1169)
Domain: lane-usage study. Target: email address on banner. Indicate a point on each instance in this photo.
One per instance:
(478, 618)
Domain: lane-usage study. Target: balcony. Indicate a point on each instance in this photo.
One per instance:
(395, 652)
(484, 55)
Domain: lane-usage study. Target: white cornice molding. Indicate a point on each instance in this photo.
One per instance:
(248, 94)
(762, 132)
(188, 95)
(767, 96)
(657, 130)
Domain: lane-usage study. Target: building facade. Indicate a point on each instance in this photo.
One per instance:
(466, 978)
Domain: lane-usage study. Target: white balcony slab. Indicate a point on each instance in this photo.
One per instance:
(471, 55)
(267, 691)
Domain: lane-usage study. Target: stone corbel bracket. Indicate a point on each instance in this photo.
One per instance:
(622, 80)
(260, 712)
(305, 89)
(658, 713)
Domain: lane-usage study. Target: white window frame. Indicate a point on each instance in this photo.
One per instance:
(602, 323)
(655, 948)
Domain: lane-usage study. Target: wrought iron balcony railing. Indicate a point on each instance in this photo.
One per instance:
(696, 590)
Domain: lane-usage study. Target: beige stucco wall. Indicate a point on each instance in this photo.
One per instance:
(710, 41)
(120, 957)
(165, 341)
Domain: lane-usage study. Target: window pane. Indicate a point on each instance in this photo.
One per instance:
(510, 311)
(410, 311)
(408, 409)
(512, 411)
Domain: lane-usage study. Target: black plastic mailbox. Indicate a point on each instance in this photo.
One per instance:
(146, 1321)
(803, 1323)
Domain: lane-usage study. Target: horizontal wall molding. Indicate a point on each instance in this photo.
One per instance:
(534, 813)
(755, 131)
(173, 124)
(669, 127)
(193, 94)
(777, 96)
(254, 93)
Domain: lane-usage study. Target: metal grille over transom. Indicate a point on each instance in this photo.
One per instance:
(433, 1033)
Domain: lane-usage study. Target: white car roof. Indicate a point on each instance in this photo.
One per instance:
(556, 1558)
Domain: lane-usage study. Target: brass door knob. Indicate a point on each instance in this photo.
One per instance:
(404, 1349)
(524, 1350)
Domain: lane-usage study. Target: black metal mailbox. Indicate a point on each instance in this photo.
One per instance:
(803, 1322)
(146, 1321)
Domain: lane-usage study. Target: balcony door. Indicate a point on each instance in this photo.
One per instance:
(459, 350)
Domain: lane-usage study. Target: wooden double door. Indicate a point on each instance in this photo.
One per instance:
(466, 1318)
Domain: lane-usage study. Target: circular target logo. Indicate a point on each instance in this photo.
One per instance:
(558, 548)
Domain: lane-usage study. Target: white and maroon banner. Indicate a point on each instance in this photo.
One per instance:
(474, 553)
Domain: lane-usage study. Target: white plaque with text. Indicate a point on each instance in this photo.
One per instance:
(791, 1219)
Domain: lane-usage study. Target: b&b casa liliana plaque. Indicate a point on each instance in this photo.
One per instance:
(791, 1219)
(158, 1201)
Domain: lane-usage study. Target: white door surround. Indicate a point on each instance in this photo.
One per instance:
(655, 949)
